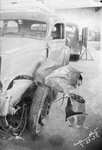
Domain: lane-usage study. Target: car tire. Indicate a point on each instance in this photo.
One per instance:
(38, 101)
(74, 57)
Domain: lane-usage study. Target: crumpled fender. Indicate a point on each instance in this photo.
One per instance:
(46, 68)
(65, 79)
(61, 78)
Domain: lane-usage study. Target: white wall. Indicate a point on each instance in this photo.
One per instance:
(71, 3)
(84, 17)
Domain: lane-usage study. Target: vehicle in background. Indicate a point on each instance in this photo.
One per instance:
(72, 34)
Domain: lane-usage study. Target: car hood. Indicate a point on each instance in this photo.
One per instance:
(19, 56)
(9, 45)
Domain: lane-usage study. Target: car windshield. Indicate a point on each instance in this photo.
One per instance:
(26, 28)
(70, 29)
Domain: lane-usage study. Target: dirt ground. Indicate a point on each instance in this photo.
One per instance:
(58, 135)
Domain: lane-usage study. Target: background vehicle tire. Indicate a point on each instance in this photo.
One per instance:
(74, 57)
(39, 110)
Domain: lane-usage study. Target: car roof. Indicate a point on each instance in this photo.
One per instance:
(28, 10)
(31, 16)
(72, 24)
(22, 15)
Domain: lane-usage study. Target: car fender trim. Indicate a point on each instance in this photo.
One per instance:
(20, 77)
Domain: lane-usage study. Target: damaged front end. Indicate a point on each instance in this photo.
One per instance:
(13, 104)
(14, 107)
(13, 114)
(66, 80)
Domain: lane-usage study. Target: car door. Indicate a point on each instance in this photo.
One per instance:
(56, 44)
(71, 34)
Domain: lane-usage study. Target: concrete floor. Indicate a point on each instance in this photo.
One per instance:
(58, 135)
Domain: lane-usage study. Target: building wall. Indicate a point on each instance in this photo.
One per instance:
(71, 3)
(84, 17)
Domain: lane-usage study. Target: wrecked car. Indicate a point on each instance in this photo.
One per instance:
(33, 48)
(27, 40)
(75, 44)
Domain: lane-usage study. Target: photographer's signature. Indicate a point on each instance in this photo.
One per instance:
(92, 136)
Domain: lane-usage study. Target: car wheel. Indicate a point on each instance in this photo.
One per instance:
(39, 110)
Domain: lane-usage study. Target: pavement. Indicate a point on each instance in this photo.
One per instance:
(58, 135)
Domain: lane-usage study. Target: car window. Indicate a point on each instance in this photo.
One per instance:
(39, 29)
(58, 31)
(70, 30)
(11, 26)
(8, 27)
(24, 28)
